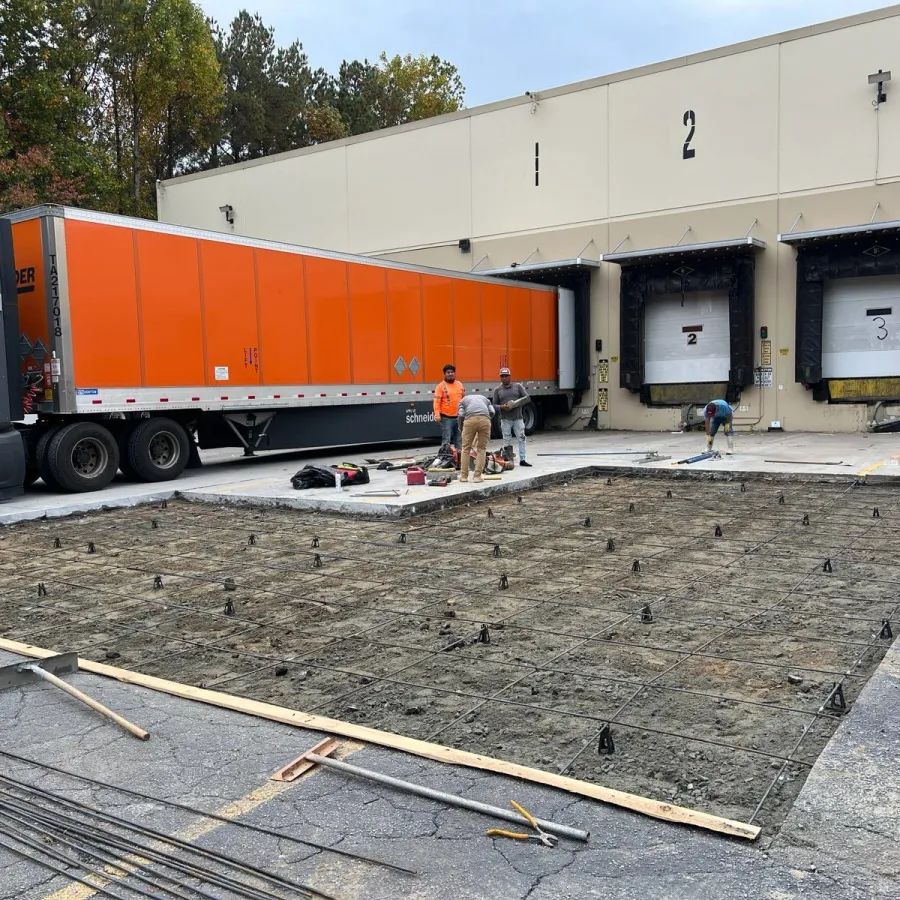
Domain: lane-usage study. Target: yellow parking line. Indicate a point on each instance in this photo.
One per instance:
(233, 810)
(867, 470)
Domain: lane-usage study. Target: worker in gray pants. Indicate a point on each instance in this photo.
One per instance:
(511, 421)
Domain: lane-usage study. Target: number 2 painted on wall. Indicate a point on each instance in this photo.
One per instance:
(692, 339)
(689, 118)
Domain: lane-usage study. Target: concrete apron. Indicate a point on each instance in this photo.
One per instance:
(265, 481)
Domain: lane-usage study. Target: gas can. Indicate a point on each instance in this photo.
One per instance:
(415, 475)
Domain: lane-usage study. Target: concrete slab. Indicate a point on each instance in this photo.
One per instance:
(229, 477)
(213, 759)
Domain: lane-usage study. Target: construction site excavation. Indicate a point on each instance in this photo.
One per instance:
(692, 641)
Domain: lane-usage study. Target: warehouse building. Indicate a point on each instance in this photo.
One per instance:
(729, 222)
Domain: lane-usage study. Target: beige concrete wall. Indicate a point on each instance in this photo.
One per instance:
(277, 201)
(410, 189)
(828, 124)
(733, 103)
(782, 128)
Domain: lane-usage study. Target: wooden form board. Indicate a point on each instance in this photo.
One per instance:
(655, 808)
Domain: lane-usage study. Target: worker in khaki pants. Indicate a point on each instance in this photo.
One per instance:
(475, 413)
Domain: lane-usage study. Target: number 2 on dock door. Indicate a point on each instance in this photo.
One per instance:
(692, 331)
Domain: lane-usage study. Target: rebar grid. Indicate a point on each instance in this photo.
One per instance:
(366, 572)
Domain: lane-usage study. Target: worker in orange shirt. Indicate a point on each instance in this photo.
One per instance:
(446, 406)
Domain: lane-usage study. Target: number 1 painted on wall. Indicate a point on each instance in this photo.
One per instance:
(689, 118)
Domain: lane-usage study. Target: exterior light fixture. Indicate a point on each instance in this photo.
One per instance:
(880, 78)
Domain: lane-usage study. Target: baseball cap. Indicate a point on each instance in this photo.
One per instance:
(505, 371)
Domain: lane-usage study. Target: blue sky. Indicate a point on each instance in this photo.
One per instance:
(505, 47)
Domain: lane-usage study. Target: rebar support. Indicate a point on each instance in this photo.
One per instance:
(826, 566)
(718, 531)
(42, 590)
(605, 743)
(836, 701)
(504, 581)
(229, 607)
(646, 614)
(886, 631)
(636, 566)
(157, 582)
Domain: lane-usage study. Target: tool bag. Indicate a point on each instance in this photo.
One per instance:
(311, 476)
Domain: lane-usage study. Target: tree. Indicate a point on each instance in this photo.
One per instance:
(418, 87)
(267, 90)
(324, 123)
(159, 93)
(397, 90)
(46, 143)
(357, 96)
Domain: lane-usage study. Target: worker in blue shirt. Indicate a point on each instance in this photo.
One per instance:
(719, 413)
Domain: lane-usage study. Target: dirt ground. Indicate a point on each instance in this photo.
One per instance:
(538, 628)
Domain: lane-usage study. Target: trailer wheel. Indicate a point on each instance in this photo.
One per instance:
(531, 413)
(40, 458)
(122, 438)
(82, 456)
(158, 450)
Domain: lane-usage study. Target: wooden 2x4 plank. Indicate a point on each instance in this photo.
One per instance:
(645, 805)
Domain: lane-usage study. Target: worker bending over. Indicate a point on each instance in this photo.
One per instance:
(446, 406)
(475, 414)
(511, 421)
(719, 413)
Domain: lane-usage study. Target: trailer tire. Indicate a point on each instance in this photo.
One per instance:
(83, 456)
(40, 458)
(122, 439)
(158, 450)
(531, 413)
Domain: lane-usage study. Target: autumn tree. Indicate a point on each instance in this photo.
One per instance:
(160, 90)
(418, 87)
(47, 151)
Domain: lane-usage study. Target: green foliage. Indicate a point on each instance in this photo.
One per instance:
(101, 98)
(267, 89)
(418, 87)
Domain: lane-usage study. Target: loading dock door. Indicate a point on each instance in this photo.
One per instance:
(686, 338)
(861, 327)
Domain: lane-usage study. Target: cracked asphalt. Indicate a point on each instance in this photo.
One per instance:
(839, 842)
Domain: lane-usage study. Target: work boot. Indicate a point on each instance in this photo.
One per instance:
(526, 464)
(477, 478)
(464, 478)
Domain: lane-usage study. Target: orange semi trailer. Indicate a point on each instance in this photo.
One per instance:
(138, 342)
